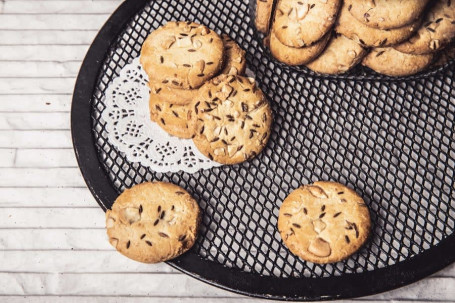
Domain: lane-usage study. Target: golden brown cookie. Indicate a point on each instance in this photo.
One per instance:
(153, 222)
(391, 62)
(350, 27)
(263, 15)
(235, 62)
(340, 55)
(182, 54)
(174, 119)
(232, 119)
(172, 95)
(386, 14)
(436, 31)
(324, 222)
(300, 23)
(293, 55)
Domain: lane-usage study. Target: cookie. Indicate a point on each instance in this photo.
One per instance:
(172, 118)
(386, 14)
(350, 27)
(293, 55)
(340, 55)
(232, 119)
(324, 222)
(391, 62)
(153, 222)
(263, 15)
(437, 30)
(182, 54)
(300, 23)
(172, 95)
(234, 57)
(444, 56)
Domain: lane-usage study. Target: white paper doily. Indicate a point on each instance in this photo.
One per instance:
(131, 131)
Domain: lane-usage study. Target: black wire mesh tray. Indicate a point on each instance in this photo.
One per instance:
(392, 140)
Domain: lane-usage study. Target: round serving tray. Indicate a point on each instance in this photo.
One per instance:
(392, 140)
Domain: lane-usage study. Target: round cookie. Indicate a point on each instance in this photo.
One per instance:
(153, 222)
(232, 119)
(386, 14)
(174, 119)
(391, 62)
(235, 62)
(300, 23)
(172, 95)
(437, 30)
(324, 223)
(340, 55)
(182, 54)
(293, 55)
(348, 26)
(263, 14)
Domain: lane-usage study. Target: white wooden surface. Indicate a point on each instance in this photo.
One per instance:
(52, 243)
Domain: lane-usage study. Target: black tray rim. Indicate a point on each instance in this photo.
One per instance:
(231, 279)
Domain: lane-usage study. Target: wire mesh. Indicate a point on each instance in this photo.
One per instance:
(392, 140)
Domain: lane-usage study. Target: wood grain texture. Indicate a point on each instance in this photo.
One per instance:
(53, 244)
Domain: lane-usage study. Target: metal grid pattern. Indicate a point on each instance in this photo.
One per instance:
(391, 140)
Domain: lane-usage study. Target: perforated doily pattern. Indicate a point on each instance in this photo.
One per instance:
(390, 140)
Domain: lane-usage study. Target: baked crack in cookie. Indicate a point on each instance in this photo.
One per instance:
(153, 222)
(182, 54)
(232, 119)
(324, 222)
(300, 23)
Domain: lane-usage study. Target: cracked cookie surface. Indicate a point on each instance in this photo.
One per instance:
(300, 23)
(182, 54)
(386, 14)
(324, 222)
(153, 222)
(232, 119)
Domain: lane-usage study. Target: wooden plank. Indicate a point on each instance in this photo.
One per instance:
(58, 7)
(76, 262)
(52, 218)
(16, 69)
(37, 85)
(7, 157)
(45, 158)
(70, 239)
(46, 197)
(47, 37)
(52, 21)
(33, 177)
(51, 53)
(35, 103)
(35, 121)
(112, 285)
(35, 139)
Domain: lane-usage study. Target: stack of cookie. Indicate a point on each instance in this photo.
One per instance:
(397, 38)
(197, 91)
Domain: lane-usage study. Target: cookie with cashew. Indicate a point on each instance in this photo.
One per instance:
(235, 62)
(300, 23)
(153, 222)
(436, 31)
(182, 54)
(340, 55)
(175, 119)
(355, 30)
(389, 61)
(386, 14)
(294, 55)
(232, 119)
(324, 222)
